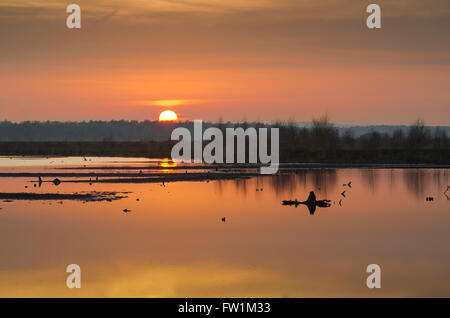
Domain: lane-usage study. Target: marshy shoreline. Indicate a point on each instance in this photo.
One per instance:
(93, 196)
(185, 173)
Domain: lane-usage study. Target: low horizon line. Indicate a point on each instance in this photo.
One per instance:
(215, 122)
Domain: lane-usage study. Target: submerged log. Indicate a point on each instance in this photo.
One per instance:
(311, 203)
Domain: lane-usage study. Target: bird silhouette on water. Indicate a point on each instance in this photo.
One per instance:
(224, 219)
(311, 203)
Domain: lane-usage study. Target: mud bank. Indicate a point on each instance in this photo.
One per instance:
(86, 197)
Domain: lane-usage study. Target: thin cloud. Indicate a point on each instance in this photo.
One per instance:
(107, 16)
(171, 102)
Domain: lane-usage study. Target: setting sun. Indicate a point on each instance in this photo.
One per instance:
(168, 115)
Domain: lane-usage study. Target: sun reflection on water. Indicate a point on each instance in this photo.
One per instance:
(166, 163)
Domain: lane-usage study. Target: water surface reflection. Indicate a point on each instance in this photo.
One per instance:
(173, 243)
(416, 182)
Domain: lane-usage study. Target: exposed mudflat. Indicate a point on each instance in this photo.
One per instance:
(119, 177)
(87, 197)
(230, 167)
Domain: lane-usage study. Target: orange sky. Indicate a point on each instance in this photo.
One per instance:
(239, 59)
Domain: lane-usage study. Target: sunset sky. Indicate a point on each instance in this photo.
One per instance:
(231, 59)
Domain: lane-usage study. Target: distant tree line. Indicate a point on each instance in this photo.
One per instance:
(119, 130)
(323, 142)
(320, 141)
(321, 133)
(324, 135)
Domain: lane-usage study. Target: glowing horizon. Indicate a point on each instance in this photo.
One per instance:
(290, 61)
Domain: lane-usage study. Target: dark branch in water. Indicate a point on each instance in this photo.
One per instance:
(311, 203)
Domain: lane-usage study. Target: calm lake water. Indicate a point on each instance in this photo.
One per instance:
(174, 243)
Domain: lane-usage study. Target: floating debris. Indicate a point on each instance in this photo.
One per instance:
(311, 203)
(290, 202)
